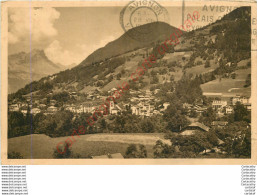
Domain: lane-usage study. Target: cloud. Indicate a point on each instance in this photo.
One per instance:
(88, 49)
(56, 53)
(35, 24)
(34, 28)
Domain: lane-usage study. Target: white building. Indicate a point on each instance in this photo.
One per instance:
(52, 109)
(165, 105)
(229, 110)
(24, 111)
(216, 104)
(71, 108)
(52, 102)
(79, 109)
(242, 100)
(143, 109)
(35, 111)
(42, 106)
(14, 107)
(114, 108)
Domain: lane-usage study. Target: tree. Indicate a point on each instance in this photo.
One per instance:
(194, 144)
(120, 124)
(241, 113)
(162, 150)
(15, 119)
(147, 126)
(103, 123)
(61, 96)
(238, 140)
(16, 124)
(212, 138)
(154, 80)
(122, 71)
(36, 121)
(99, 83)
(118, 76)
(110, 78)
(188, 89)
(171, 78)
(48, 126)
(28, 115)
(175, 117)
(233, 75)
(208, 116)
(193, 114)
(14, 155)
(248, 81)
(63, 120)
(64, 152)
(207, 64)
(134, 151)
(177, 122)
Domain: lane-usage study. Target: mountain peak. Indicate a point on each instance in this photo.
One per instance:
(38, 52)
(135, 38)
(22, 66)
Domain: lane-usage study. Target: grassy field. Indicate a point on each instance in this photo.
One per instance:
(229, 86)
(42, 146)
(197, 70)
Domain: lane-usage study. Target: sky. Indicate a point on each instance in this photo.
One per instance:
(68, 35)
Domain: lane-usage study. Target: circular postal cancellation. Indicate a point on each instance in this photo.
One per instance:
(138, 13)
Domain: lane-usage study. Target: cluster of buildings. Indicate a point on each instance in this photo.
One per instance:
(90, 107)
(141, 103)
(38, 107)
(222, 106)
(51, 106)
(198, 108)
(147, 109)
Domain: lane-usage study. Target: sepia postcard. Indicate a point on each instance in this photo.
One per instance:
(128, 82)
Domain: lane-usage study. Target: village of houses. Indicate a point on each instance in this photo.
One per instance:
(142, 103)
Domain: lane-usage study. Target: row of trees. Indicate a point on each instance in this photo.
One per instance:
(128, 123)
(62, 123)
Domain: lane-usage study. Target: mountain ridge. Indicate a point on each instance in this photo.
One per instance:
(24, 67)
(202, 47)
(160, 31)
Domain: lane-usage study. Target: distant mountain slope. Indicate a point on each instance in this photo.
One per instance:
(19, 73)
(154, 32)
(209, 49)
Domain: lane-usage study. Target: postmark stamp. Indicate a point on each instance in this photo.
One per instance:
(139, 13)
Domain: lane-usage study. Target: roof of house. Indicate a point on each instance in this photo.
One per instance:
(14, 105)
(35, 109)
(220, 142)
(117, 106)
(222, 123)
(219, 102)
(52, 107)
(200, 125)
